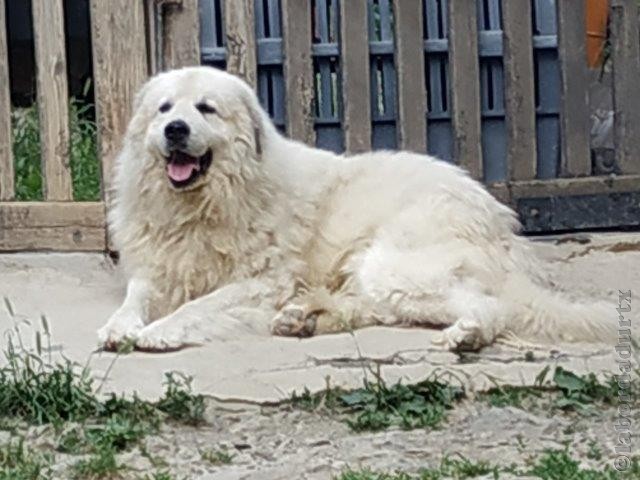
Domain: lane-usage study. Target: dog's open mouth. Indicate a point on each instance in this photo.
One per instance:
(183, 169)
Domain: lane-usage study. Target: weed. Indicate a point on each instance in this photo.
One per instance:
(456, 468)
(594, 452)
(100, 465)
(26, 152)
(568, 391)
(217, 457)
(577, 392)
(558, 465)
(509, 395)
(377, 406)
(179, 402)
(163, 475)
(83, 155)
(18, 463)
(83, 152)
(39, 392)
(552, 465)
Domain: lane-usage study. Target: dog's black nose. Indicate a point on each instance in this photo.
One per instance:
(176, 131)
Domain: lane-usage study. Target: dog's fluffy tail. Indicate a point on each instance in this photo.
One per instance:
(541, 314)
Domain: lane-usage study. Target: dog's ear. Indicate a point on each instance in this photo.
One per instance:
(250, 102)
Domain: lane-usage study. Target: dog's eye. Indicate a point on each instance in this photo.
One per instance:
(205, 108)
(165, 107)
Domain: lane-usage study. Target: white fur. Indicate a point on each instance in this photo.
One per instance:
(311, 241)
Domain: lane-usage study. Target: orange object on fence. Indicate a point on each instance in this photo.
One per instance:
(596, 18)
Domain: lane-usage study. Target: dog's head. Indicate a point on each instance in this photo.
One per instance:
(197, 125)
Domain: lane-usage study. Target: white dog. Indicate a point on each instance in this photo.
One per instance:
(223, 225)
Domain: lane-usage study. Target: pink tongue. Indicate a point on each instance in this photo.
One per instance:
(180, 171)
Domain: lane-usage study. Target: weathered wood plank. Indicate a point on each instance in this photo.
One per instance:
(519, 99)
(574, 84)
(566, 186)
(7, 186)
(64, 226)
(241, 40)
(625, 53)
(53, 101)
(465, 86)
(298, 70)
(412, 94)
(354, 62)
(181, 34)
(120, 68)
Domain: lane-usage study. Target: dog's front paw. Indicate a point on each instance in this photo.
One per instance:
(161, 336)
(464, 335)
(122, 327)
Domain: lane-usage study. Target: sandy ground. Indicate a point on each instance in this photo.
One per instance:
(77, 293)
(280, 443)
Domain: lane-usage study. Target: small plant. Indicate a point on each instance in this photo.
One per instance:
(163, 475)
(510, 396)
(83, 153)
(450, 468)
(217, 457)
(594, 452)
(568, 391)
(179, 402)
(100, 465)
(39, 392)
(18, 463)
(377, 406)
(578, 392)
(558, 465)
(26, 153)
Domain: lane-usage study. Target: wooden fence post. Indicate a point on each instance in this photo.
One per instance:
(625, 54)
(53, 98)
(465, 86)
(298, 69)
(241, 40)
(412, 91)
(574, 83)
(119, 69)
(181, 34)
(6, 157)
(354, 62)
(520, 89)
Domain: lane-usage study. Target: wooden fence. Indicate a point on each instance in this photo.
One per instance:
(131, 39)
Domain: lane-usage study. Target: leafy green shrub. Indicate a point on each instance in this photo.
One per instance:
(83, 153)
(377, 406)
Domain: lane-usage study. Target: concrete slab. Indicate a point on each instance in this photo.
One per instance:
(78, 292)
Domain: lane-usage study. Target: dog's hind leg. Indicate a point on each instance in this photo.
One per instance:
(318, 311)
(440, 286)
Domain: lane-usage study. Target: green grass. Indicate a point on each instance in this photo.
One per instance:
(551, 465)
(40, 392)
(19, 463)
(564, 391)
(558, 465)
(37, 391)
(83, 153)
(102, 464)
(377, 406)
(458, 467)
(217, 456)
